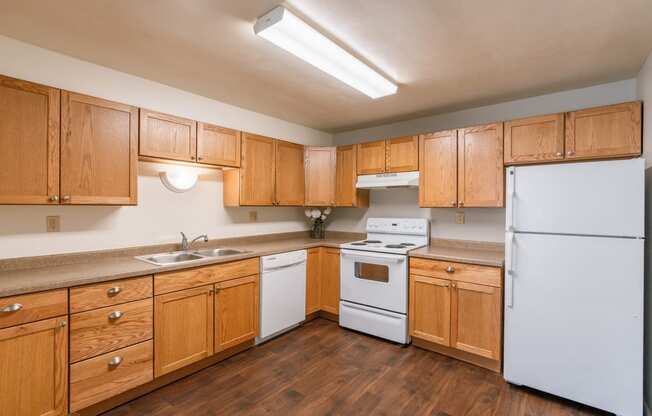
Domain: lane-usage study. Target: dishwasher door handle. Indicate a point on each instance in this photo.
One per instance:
(285, 266)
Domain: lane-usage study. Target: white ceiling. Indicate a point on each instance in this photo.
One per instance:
(444, 54)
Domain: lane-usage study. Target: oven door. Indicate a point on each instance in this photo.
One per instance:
(374, 279)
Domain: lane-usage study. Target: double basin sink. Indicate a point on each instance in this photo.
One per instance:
(177, 257)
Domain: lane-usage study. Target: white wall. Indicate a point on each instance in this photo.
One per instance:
(485, 224)
(160, 214)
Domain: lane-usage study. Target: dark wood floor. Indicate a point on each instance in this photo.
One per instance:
(321, 369)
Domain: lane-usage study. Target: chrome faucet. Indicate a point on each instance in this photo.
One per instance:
(185, 245)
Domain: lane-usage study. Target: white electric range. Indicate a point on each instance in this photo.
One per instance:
(374, 277)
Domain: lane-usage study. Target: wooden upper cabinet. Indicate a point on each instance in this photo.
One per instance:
(481, 177)
(330, 280)
(236, 312)
(476, 319)
(534, 139)
(402, 154)
(183, 328)
(430, 309)
(218, 145)
(610, 131)
(290, 183)
(168, 137)
(257, 171)
(29, 142)
(313, 273)
(438, 169)
(99, 151)
(371, 157)
(320, 176)
(346, 193)
(34, 368)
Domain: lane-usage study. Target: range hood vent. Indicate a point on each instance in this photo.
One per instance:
(388, 180)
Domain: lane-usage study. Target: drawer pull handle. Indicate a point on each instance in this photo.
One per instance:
(113, 291)
(12, 308)
(450, 269)
(115, 315)
(115, 361)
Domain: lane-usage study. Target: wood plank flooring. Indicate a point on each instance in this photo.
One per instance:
(321, 369)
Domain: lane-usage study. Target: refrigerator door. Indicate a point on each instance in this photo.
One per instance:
(594, 198)
(574, 318)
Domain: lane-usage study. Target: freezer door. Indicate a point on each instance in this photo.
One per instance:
(574, 318)
(593, 198)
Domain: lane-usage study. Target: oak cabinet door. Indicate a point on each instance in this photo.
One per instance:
(29, 142)
(218, 145)
(346, 194)
(257, 171)
(236, 312)
(34, 368)
(290, 179)
(371, 157)
(313, 271)
(402, 154)
(476, 319)
(481, 176)
(99, 151)
(183, 328)
(610, 131)
(430, 309)
(534, 140)
(320, 176)
(166, 136)
(438, 169)
(330, 280)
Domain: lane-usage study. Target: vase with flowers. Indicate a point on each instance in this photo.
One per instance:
(317, 219)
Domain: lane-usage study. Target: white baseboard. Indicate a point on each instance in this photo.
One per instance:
(646, 409)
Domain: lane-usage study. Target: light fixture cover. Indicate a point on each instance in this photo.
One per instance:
(178, 180)
(284, 29)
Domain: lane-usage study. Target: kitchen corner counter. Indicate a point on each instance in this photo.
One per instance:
(472, 252)
(68, 270)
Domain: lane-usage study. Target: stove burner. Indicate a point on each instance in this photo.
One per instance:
(372, 241)
(407, 244)
(394, 246)
(360, 243)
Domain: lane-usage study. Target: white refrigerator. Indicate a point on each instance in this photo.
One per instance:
(574, 282)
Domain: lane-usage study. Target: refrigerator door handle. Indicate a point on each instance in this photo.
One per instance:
(509, 254)
(511, 193)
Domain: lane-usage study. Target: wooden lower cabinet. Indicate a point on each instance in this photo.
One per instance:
(330, 280)
(313, 278)
(183, 328)
(236, 311)
(456, 309)
(34, 368)
(107, 375)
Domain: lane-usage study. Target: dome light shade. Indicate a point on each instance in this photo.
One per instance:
(178, 180)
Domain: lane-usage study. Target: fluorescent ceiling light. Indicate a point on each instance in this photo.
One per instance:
(288, 32)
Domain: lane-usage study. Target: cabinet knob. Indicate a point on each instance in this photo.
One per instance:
(453, 203)
(115, 315)
(14, 307)
(113, 291)
(461, 203)
(115, 361)
(65, 198)
(199, 158)
(454, 284)
(53, 198)
(558, 154)
(192, 158)
(63, 323)
(450, 269)
(570, 153)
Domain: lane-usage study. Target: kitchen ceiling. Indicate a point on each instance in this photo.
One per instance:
(444, 55)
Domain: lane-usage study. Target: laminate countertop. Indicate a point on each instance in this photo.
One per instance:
(35, 274)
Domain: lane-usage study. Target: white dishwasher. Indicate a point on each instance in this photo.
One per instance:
(282, 293)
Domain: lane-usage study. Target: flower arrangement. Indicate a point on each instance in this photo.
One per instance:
(317, 217)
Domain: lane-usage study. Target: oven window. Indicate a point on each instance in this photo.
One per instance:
(369, 271)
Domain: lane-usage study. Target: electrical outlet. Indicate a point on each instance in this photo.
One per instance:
(253, 216)
(53, 224)
(459, 218)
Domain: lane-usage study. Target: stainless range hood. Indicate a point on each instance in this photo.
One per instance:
(388, 180)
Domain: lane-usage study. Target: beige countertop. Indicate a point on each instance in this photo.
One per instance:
(34, 274)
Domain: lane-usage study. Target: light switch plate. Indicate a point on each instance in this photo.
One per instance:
(253, 216)
(53, 224)
(459, 218)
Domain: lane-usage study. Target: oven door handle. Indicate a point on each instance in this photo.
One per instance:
(374, 257)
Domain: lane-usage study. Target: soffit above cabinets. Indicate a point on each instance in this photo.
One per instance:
(443, 55)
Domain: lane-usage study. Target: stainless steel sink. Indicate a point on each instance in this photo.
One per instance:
(178, 257)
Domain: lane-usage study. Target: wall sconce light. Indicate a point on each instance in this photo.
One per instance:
(178, 180)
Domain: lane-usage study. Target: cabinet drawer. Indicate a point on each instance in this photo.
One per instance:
(107, 329)
(173, 281)
(99, 378)
(484, 275)
(16, 310)
(85, 298)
